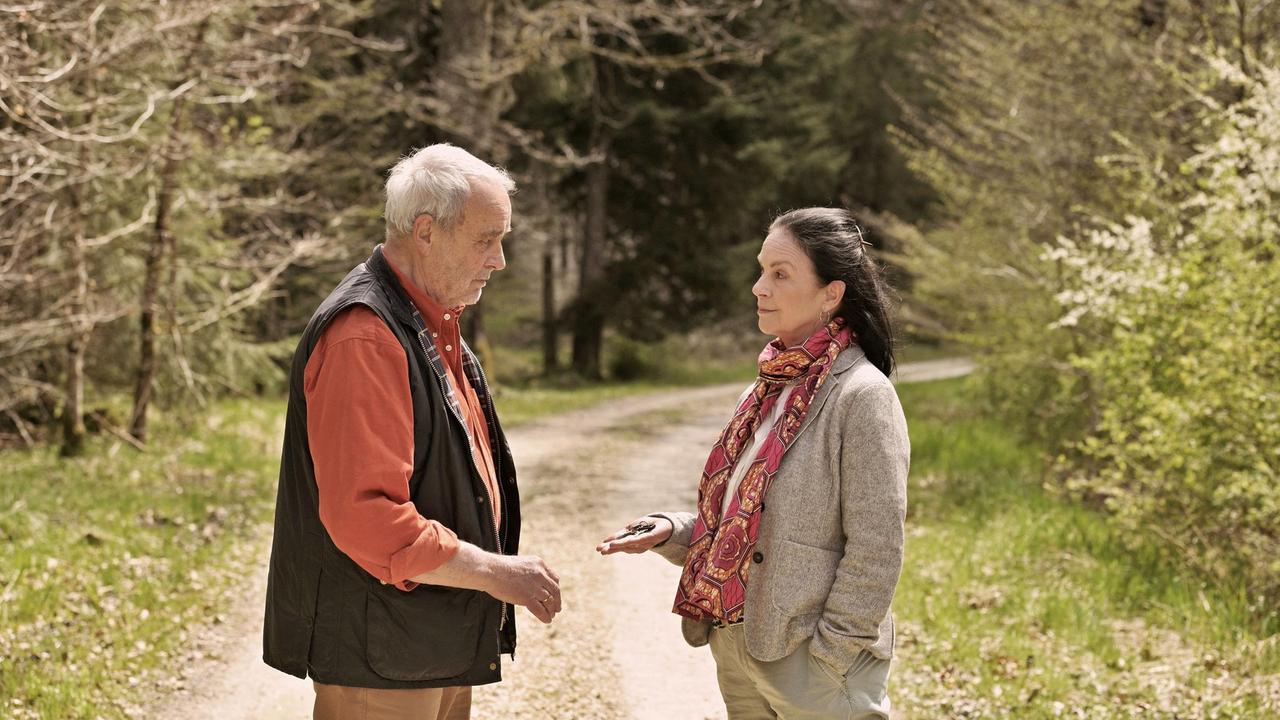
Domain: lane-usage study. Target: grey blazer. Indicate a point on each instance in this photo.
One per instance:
(831, 534)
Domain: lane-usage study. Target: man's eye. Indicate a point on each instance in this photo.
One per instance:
(780, 276)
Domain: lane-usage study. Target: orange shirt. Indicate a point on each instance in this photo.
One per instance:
(360, 429)
(443, 324)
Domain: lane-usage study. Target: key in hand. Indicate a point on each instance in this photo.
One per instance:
(638, 528)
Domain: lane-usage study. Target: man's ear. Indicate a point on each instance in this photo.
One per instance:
(423, 228)
(835, 294)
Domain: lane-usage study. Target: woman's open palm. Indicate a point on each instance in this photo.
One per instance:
(638, 536)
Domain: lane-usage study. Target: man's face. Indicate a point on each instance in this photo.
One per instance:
(463, 257)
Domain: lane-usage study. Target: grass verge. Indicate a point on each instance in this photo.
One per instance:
(1016, 604)
(655, 368)
(108, 561)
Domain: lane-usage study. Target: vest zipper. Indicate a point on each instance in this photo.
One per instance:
(492, 421)
(497, 539)
(497, 473)
(493, 433)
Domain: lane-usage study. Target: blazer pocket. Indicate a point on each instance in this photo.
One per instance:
(802, 578)
(429, 634)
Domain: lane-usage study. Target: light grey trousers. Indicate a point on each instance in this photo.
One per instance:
(797, 687)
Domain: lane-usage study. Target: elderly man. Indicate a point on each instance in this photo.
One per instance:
(393, 574)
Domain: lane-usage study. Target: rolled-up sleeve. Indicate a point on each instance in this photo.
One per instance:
(360, 429)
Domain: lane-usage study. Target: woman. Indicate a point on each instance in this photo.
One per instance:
(794, 602)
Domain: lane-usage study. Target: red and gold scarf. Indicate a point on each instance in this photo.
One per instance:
(713, 585)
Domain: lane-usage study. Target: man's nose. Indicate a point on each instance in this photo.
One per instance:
(497, 260)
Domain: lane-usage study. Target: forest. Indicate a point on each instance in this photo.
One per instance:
(1081, 196)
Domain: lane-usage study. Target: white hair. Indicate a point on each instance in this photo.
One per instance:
(435, 181)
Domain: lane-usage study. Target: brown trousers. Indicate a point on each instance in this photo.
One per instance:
(338, 702)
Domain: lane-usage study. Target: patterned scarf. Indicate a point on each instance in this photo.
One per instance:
(713, 585)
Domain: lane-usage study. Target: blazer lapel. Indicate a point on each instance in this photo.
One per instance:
(844, 361)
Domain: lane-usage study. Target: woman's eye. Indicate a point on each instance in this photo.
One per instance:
(780, 276)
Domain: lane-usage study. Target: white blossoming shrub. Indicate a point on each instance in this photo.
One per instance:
(1184, 371)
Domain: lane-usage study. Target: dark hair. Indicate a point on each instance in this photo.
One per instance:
(833, 241)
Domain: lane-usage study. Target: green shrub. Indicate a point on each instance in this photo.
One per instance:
(1184, 372)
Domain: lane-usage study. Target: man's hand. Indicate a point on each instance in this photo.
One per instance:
(638, 536)
(527, 581)
(517, 579)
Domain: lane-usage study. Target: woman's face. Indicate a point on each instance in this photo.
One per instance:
(790, 299)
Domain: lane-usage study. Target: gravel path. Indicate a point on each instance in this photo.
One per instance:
(616, 651)
(933, 370)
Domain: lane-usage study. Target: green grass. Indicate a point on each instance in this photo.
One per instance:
(912, 351)
(656, 368)
(107, 560)
(520, 404)
(1015, 603)
(517, 406)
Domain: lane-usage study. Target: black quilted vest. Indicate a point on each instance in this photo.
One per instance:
(328, 618)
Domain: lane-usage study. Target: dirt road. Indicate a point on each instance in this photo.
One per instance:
(616, 651)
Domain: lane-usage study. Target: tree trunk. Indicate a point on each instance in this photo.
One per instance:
(1153, 14)
(161, 241)
(73, 431)
(147, 324)
(1207, 28)
(550, 361)
(1242, 36)
(588, 325)
(464, 84)
(464, 88)
(588, 342)
(588, 317)
(477, 338)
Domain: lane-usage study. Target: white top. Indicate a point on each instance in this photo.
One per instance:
(748, 455)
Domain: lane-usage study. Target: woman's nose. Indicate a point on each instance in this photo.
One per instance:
(759, 289)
